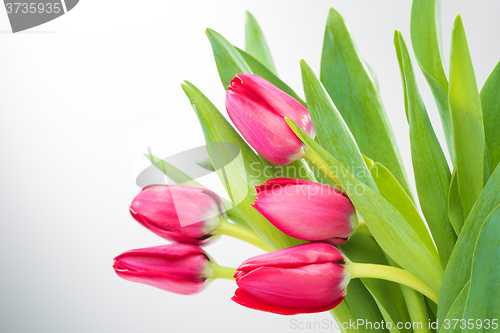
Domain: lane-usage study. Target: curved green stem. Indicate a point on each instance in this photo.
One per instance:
(416, 309)
(222, 272)
(321, 165)
(393, 274)
(245, 234)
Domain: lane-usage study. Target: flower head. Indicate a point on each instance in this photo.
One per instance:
(307, 210)
(179, 268)
(301, 279)
(258, 109)
(180, 213)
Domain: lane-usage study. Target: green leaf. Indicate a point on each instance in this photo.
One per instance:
(255, 43)
(239, 179)
(262, 71)
(475, 300)
(393, 192)
(425, 29)
(457, 272)
(392, 232)
(467, 119)
(456, 312)
(432, 175)
(490, 103)
(170, 171)
(342, 314)
(362, 305)
(333, 133)
(455, 211)
(483, 301)
(352, 89)
(228, 60)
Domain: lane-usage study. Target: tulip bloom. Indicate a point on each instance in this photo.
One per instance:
(257, 108)
(179, 268)
(180, 213)
(301, 279)
(307, 210)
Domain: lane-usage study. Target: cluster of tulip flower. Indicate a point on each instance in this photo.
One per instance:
(311, 277)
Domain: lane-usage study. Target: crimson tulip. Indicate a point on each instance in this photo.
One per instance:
(180, 213)
(180, 268)
(258, 110)
(300, 279)
(307, 210)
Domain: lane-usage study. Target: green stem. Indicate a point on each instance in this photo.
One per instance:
(416, 309)
(222, 272)
(393, 274)
(321, 165)
(245, 234)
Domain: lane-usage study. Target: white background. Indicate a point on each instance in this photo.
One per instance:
(83, 96)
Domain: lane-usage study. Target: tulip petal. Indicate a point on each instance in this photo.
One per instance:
(247, 300)
(167, 282)
(311, 212)
(264, 130)
(178, 212)
(278, 182)
(295, 256)
(178, 268)
(276, 99)
(315, 285)
(258, 108)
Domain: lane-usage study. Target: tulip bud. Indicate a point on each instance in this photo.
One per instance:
(307, 210)
(258, 108)
(179, 268)
(180, 213)
(301, 279)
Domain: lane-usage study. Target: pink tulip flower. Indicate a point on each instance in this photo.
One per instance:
(307, 210)
(257, 108)
(180, 213)
(179, 268)
(301, 279)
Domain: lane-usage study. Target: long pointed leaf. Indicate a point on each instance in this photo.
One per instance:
(457, 272)
(333, 133)
(228, 60)
(255, 43)
(455, 210)
(485, 276)
(393, 192)
(456, 312)
(425, 29)
(490, 103)
(352, 89)
(432, 175)
(468, 132)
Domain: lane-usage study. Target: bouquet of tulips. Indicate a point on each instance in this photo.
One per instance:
(319, 185)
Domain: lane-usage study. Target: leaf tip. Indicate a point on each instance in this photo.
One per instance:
(249, 16)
